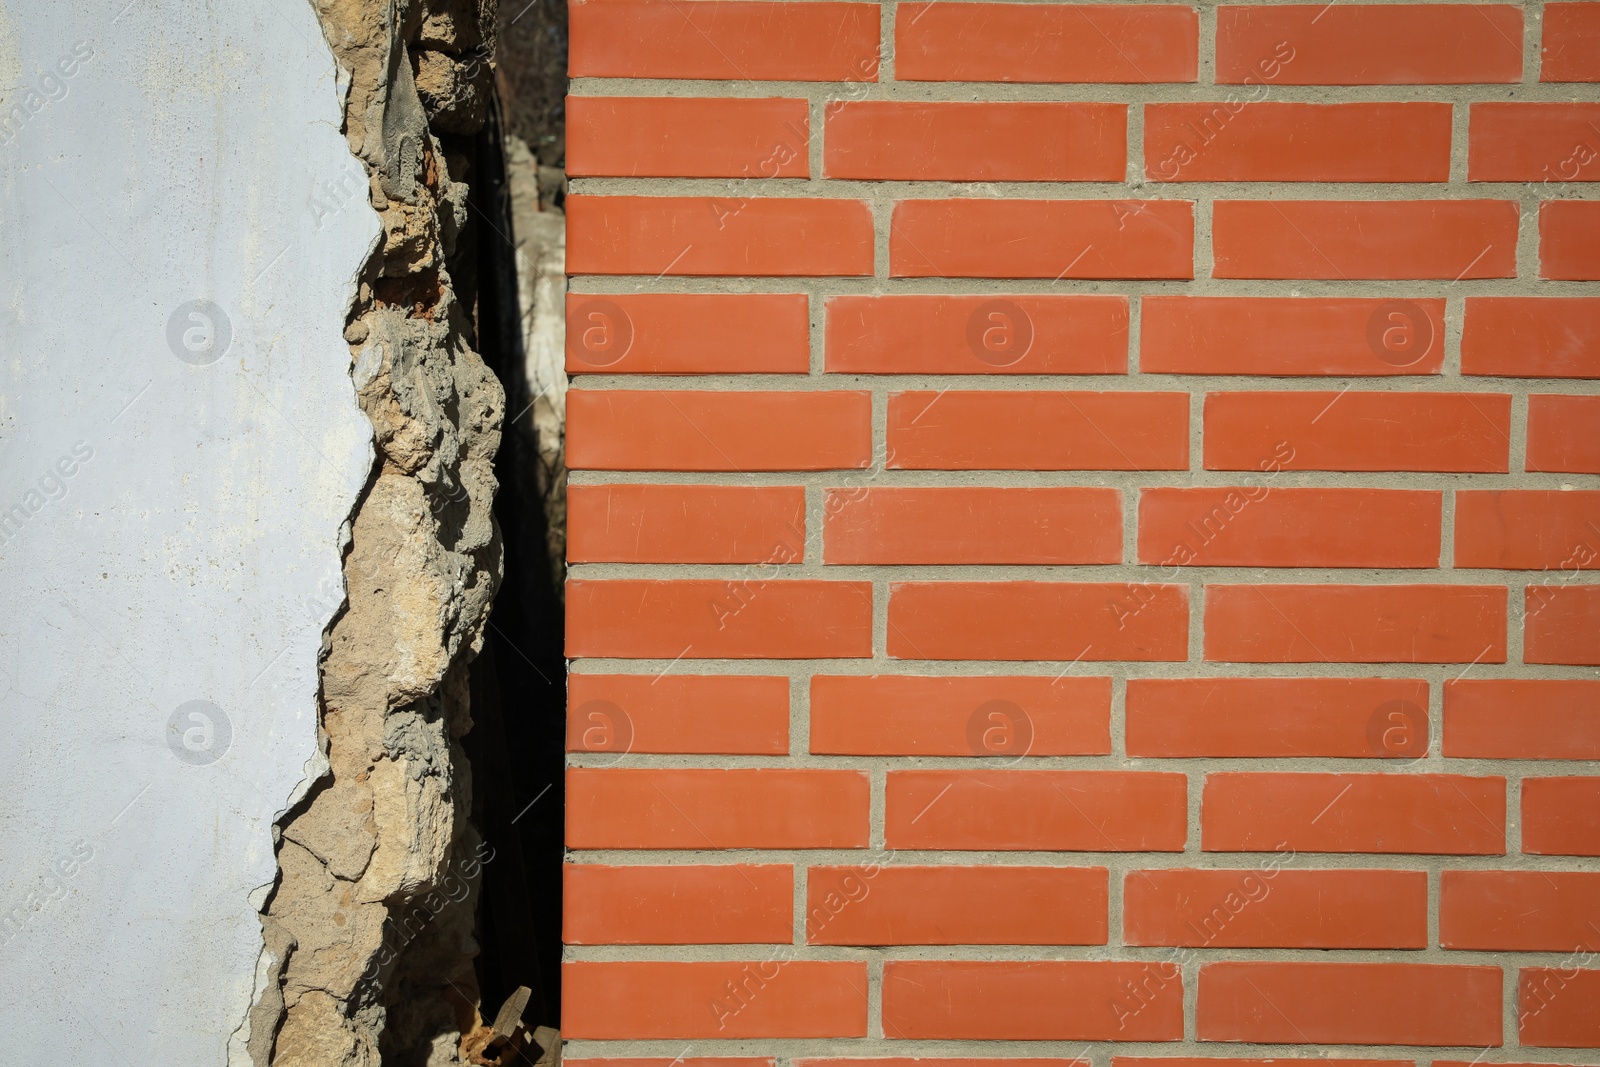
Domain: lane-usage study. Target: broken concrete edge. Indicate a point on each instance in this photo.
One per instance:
(367, 932)
(265, 1009)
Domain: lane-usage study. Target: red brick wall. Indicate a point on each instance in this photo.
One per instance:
(1082, 530)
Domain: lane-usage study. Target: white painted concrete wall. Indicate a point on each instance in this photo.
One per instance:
(181, 224)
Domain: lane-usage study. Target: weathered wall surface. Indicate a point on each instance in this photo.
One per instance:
(250, 447)
(370, 929)
(1083, 522)
(181, 229)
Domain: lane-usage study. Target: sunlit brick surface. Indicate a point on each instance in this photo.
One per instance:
(1084, 536)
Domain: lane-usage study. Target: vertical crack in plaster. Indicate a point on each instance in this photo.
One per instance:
(368, 934)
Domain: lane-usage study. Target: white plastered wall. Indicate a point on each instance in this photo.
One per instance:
(181, 226)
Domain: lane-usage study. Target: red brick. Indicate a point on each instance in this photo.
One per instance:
(1082, 334)
(1237, 140)
(959, 141)
(1351, 431)
(1262, 526)
(680, 808)
(1569, 241)
(1528, 529)
(1506, 718)
(920, 1061)
(685, 523)
(1561, 816)
(1532, 337)
(667, 1061)
(1033, 1000)
(1559, 1007)
(685, 137)
(1561, 624)
(1055, 430)
(973, 524)
(1273, 908)
(944, 40)
(727, 40)
(960, 715)
(732, 714)
(1290, 335)
(956, 906)
(740, 618)
(619, 1000)
(1355, 624)
(614, 429)
(699, 235)
(1431, 814)
(1571, 43)
(1564, 434)
(1216, 1061)
(1349, 1004)
(1036, 811)
(1055, 239)
(1353, 239)
(1282, 718)
(711, 905)
(1369, 44)
(687, 333)
(1513, 141)
(1518, 911)
(1038, 621)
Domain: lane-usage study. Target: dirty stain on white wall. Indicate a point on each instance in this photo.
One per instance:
(180, 449)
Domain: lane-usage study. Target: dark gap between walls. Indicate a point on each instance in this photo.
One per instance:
(516, 745)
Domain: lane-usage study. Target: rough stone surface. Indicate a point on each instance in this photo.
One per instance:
(372, 918)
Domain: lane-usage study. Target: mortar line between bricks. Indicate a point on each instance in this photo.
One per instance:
(897, 189)
(886, 57)
(1064, 1051)
(1414, 481)
(1053, 668)
(842, 285)
(1226, 862)
(1454, 330)
(1076, 92)
(1114, 573)
(1171, 383)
